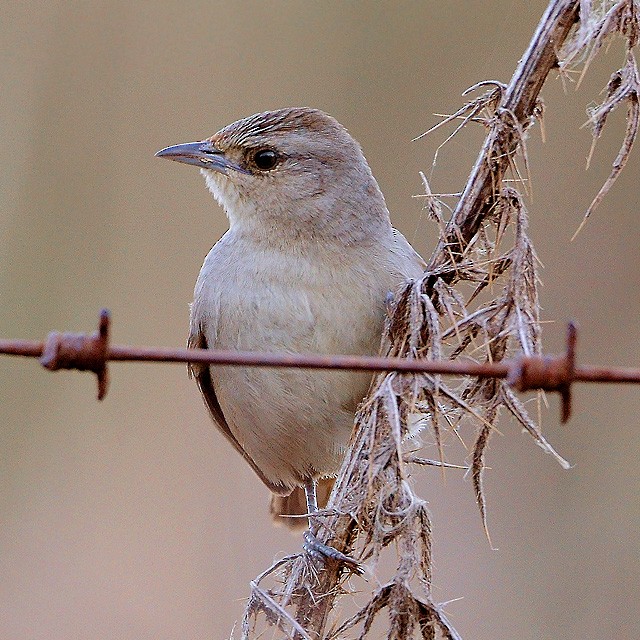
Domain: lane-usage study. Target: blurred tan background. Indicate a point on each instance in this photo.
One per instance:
(134, 519)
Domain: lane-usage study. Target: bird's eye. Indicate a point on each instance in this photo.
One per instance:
(265, 159)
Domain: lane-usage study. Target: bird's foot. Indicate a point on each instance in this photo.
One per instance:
(321, 551)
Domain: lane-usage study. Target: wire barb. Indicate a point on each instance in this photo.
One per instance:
(550, 373)
(81, 351)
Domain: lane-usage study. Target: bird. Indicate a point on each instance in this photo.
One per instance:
(307, 266)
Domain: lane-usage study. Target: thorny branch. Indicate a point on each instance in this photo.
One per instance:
(477, 298)
(513, 115)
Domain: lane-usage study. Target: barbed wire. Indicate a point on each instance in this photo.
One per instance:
(91, 352)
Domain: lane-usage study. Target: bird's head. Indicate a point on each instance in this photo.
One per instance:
(290, 168)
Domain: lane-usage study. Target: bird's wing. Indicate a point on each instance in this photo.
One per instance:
(202, 374)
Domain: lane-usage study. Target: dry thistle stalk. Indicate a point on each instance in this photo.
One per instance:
(478, 299)
(607, 20)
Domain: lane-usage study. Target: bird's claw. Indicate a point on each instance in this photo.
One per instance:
(321, 551)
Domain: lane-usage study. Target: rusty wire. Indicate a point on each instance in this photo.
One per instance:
(91, 352)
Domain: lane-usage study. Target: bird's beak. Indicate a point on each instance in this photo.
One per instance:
(201, 154)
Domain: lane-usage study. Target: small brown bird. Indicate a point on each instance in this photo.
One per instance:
(305, 267)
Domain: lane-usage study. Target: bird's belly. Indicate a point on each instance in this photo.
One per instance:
(295, 423)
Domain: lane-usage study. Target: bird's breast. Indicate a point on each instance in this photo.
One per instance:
(276, 301)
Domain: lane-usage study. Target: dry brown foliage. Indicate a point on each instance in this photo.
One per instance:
(478, 299)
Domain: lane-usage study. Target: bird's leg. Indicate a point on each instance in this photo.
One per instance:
(312, 502)
(312, 545)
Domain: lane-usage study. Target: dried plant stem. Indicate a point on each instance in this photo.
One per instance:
(518, 102)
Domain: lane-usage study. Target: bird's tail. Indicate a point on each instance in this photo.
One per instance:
(295, 504)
